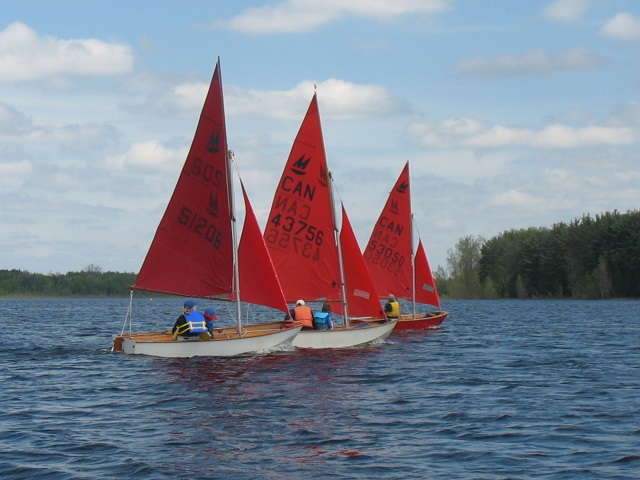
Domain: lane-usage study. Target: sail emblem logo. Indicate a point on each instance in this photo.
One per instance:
(213, 145)
(299, 167)
(212, 209)
(394, 207)
(402, 188)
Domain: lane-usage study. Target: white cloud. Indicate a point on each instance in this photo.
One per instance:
(338, 99)
(24, 55)
(623, 26)
(514, 198)
(16, 128)
(472, 133)
(534, 62)
(12, 121)
(304, 15)
(566, 10)
(74, 137)
(562, 136)
(145, 155)
(8, 169)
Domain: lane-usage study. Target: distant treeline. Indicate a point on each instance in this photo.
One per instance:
(588, 258)
(91, 281)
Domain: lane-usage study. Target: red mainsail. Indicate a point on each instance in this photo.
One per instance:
(300, 232)
(362, 299)
(258, 280)
(390, 250)
(192, 250)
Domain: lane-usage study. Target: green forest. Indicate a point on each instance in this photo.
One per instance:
(590, 258)
(90, 282)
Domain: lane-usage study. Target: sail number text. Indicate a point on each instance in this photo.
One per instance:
(285, 230)
(289, 224)
(201, 226)
(383, 256)
(207, 172)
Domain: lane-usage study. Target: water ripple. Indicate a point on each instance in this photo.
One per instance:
(499, 392)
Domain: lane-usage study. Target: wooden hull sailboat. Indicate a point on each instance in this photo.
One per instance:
(195, 253)
(394, 267)
(301, 235)
(226, 342)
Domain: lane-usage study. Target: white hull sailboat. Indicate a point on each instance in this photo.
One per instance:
(301, 235)
(340, 337)
(194, 252)
(226, 342)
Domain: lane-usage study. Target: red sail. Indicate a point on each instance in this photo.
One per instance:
(192, 250)
(258, 280)
(300, 231)
(388, 253)
(426, 291)
(362, 299)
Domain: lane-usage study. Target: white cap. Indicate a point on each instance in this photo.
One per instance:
(299, 303)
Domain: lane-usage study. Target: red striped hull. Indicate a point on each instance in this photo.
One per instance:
(421, 321)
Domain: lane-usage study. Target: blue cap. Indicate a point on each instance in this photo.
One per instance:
(189, 304)
(210, 311)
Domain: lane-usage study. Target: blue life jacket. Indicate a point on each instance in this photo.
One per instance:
(321, 321)
(196, 323)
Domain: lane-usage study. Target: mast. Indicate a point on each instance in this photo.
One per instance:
(228, 155)
(413, 269)
(413, 255)
(234, 235)
(343, 287)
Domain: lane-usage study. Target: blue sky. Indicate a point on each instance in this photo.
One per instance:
(512, 114)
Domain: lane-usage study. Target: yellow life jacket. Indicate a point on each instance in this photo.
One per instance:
(395, 310)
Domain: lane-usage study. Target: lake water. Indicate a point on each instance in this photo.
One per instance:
(504, 390)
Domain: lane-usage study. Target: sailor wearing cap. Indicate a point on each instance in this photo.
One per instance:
(191, 324)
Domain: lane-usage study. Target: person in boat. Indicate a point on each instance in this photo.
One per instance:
(302, 313)
(392, 307)
(191, 323)
(322, 320)
(210, 317)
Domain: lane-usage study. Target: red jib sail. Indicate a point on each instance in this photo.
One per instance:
(389, 251)
(300, 231)
(362, 299)
(192, 250)
(426, 291)
(258, 280)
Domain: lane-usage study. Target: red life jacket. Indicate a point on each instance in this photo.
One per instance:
(303, 314)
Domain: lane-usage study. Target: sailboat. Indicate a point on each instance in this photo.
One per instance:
(195, 252)
(309, 256)
(394, 267)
